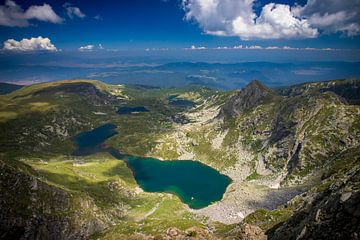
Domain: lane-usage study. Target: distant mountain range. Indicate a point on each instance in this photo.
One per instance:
(216, 75)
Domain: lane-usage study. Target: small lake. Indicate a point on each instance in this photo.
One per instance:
(180, 102)
(91, 142)
(196, 184)
(129, 110)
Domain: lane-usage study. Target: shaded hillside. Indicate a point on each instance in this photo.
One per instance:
(6, 88)
(348, 89)
(31, 208)
(331, 210)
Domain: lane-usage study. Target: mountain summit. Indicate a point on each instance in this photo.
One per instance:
(249, 97)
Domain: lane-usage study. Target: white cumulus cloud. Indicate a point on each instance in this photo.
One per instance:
(12, 15)
(32, 44)
(91, 47)
(333, 16)
(193, 47)
(73, 11)
(275, 21)
(87, 48)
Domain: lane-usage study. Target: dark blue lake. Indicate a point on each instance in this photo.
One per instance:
(196, 184)
(179, 102)
(90, 142)
(129, 110)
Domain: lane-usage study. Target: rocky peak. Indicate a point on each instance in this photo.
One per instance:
(249, 97)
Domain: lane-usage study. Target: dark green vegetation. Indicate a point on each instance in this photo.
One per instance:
(307, 136)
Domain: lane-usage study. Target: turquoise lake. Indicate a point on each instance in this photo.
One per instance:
(196, 184)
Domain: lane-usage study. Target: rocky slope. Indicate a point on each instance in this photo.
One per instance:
(250, 97)
(296, 134)
(313, 140)
(329, 210)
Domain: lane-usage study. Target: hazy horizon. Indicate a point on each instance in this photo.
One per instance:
(219, 68)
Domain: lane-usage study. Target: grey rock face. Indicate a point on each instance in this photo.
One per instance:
(251, 96)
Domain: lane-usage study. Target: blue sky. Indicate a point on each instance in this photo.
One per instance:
(141, 24)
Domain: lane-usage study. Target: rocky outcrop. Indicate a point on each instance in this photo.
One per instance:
(328, 211)
(249, 97)
(251, 232)
(326, 216)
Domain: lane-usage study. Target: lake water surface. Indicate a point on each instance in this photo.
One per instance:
(129, 110)
(180, 102)
(196, 184)
(92, 141)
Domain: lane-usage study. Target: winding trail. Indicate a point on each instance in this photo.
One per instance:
(157, 205)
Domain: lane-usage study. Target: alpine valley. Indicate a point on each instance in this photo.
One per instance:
(81, 159)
